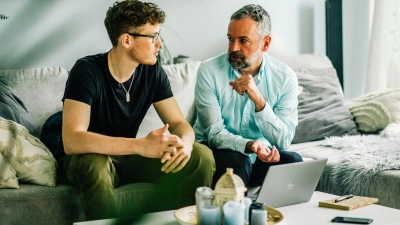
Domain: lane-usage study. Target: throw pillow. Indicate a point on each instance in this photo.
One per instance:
(40, 89)
(391, 131)
(321, 111)
(27, 155)
(12, 107)
(374, 111)
(8, 178)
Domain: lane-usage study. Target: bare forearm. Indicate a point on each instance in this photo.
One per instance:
(88, 142)
(185, 132)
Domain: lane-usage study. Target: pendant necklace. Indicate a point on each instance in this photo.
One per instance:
(128, 96)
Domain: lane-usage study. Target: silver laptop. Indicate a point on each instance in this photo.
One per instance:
(290, 184)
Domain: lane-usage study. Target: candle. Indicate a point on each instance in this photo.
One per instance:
(210, 215)
(234, 213)
(255, 205)
(204, 197)
(247, 203)
(259, 217)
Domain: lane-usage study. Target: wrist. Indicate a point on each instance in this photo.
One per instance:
(260, 105)
(259, 109)
(136, 145)
(248, 148)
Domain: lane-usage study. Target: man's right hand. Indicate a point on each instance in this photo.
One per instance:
(159, 144)
(263, 152)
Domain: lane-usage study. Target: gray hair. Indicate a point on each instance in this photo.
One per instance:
(258, 14)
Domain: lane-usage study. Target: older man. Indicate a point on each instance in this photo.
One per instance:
(247, 101)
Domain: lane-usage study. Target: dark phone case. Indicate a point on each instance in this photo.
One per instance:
(353, 220)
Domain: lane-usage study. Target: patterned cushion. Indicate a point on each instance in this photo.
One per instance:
(27, 155)
(8, 178)
(374, 111)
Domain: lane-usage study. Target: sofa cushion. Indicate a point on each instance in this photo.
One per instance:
(40, 89)
(8, 177)
(12, 108)
(374, 111)
(391, 131)
(322, 111)
(306, 61)
(35, 205)
(62, 206)
(27, 155)
(182, 77)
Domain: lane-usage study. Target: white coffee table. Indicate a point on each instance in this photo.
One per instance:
(308, 213)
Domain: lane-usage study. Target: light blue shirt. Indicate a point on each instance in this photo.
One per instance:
(227, 120)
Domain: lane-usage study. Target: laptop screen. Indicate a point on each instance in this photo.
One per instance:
(290, 184)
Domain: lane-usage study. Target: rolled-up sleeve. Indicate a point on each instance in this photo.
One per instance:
(278, 123)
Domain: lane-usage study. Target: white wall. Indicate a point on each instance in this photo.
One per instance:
(51, 33)
(44, 33)
(57, 33)
(198, 28)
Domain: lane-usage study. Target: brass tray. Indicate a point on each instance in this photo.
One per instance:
(187, 215)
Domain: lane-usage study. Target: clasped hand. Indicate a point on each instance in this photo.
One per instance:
(170, 148)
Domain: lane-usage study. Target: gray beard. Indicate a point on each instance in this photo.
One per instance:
(241, 64)
(237, 65)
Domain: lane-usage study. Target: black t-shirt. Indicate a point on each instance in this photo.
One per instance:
(91, 82)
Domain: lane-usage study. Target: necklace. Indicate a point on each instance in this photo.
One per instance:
(128, 96)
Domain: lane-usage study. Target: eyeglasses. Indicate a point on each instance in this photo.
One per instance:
(154, 38)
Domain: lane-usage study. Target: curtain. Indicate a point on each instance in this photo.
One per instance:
(384, 51)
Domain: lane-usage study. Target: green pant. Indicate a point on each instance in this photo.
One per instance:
(97, 175)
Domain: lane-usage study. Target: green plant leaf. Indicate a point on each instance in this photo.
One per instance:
(3, 17)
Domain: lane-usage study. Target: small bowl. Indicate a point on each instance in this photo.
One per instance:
(186, 215)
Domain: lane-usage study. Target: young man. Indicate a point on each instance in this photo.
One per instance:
(247, 101)
(106, 97)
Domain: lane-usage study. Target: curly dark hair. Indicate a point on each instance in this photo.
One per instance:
(126, 16)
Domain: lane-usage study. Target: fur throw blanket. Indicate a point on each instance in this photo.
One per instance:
(363, 156)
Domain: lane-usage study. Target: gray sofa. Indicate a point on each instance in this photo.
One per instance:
(41, 91)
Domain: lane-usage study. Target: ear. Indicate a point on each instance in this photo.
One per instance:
(125, 40)
(267, 42)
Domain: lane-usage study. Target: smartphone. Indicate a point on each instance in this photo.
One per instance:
(340, 219)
